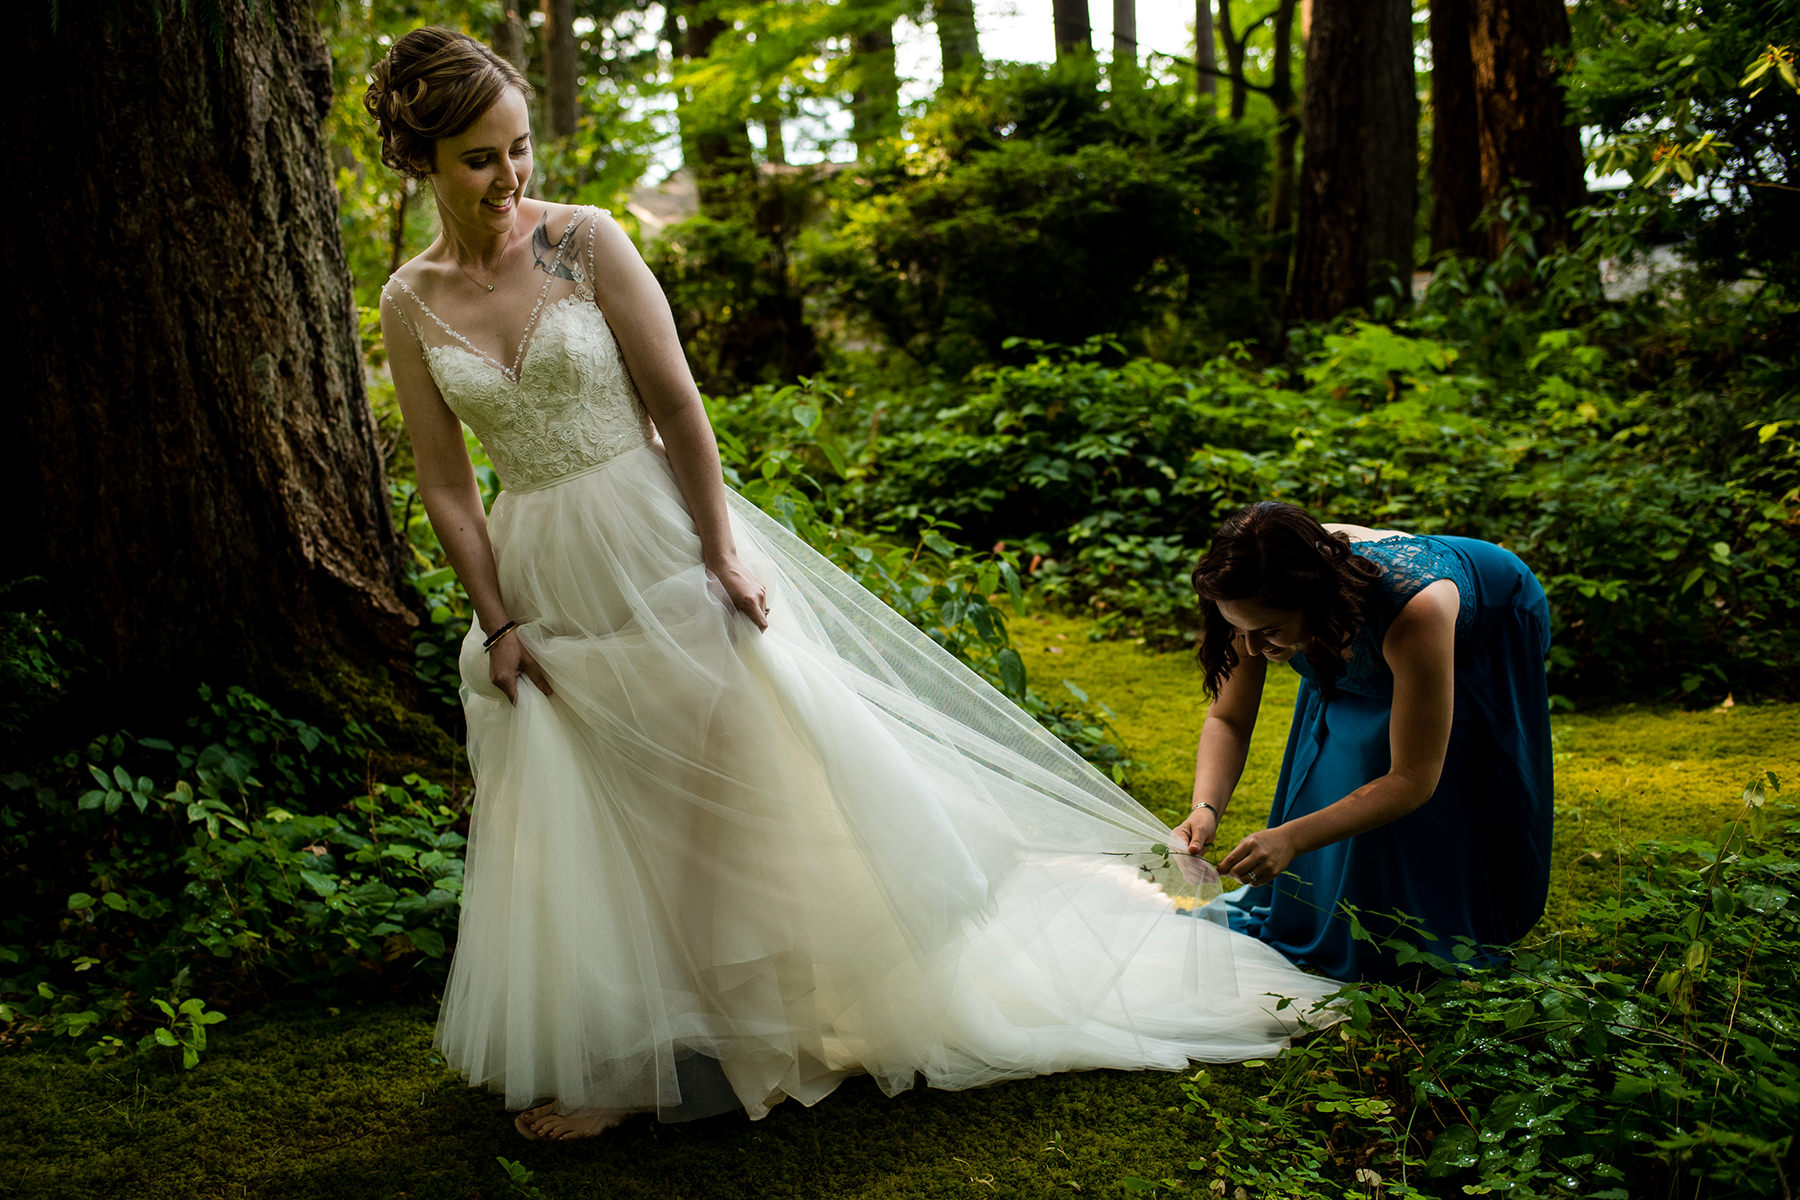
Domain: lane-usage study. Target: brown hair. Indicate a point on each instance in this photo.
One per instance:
(1278, 556)
(433, 84)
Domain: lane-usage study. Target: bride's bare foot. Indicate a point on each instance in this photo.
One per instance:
(526, 1122)
(582, 1123)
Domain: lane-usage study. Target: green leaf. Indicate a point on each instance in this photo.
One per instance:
(166, 1037)
(114, 901)
(80, 902)
(1012, 672)
(428, 942)
(322, 884)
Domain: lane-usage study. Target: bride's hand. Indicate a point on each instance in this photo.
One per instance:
(743, 589)
(508, 661)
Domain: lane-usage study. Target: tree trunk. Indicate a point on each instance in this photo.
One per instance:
(1234, 60)
(1125, 47)
(875, 104)
(560, 68)
(1287, 120)
(1527, 143)
(202, 491)
(1074, 31)
(715, 147)
(509, 35)
(958, 41)
(774, 142)
(1455, 135)
(1206, 58)
(1357, 194)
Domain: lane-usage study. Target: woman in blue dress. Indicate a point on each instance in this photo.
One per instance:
(1417, 774)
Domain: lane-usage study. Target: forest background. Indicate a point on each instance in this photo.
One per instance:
(1005, 343)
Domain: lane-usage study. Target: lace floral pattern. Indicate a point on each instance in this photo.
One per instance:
(572, 408)
(1407, 565)
(567, 404)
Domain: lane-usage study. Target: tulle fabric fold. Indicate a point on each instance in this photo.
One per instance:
(797, 855)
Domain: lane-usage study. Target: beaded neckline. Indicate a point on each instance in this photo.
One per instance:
(531, 322)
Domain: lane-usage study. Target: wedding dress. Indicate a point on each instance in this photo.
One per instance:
(790, 857)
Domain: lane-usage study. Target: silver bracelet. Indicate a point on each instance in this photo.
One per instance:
(1209, 808)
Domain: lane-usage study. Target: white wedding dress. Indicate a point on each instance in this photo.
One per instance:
(721, 867)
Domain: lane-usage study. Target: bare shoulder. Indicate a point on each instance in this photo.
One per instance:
(1362, 533)
(1431, 612)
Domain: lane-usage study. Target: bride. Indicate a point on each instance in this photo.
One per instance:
(740, 831)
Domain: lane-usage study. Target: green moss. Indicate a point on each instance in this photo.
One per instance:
(302, 1105)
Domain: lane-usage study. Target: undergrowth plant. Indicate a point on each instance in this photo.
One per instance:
(146, 879)
(1653, 1052)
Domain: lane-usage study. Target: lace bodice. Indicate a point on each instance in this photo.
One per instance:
(566, 403)
(1408, 565)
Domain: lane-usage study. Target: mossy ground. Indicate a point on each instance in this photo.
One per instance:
(305, 1103)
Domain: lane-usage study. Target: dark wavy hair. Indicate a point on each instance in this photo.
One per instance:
(1278, 556)
(433, 84)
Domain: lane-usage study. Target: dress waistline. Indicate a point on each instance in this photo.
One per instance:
(604, 463)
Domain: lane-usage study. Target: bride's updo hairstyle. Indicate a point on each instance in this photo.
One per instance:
(1278, 556)
(433, 84)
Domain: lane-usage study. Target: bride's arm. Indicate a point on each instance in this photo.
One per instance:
(453, 500)
(642, 325)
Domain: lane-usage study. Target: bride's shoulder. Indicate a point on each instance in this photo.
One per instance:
(418, 275)
(558, 221)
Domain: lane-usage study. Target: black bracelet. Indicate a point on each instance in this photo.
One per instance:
(1209, 808)
(497, 635)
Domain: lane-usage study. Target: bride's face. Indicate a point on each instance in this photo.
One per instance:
(481, 173)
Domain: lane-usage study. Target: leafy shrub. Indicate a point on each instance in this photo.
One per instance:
(1651, 1054)
(144, 876)
(1661, 522)
(1034, 204)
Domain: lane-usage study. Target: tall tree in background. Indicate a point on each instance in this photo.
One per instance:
(205, 499)
(1074, 29)
(1125, 39)
(1206, 57)
(714, 143)
(1456, 193)
(1287, 119)
(1527, 142)
(560, 105)
(509, 35)
(875, 98)
(1235, 47)
(1360, 120)
(958, 42)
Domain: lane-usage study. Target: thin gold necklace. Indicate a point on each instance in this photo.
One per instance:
(475, 281)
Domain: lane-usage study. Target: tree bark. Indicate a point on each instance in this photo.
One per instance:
(1357, 194)
(875, 104)
(560, 68)
(959, 43)
(1456, 193)
(1234, 60)
(1125, 47)
(1206, 57)
(202, 490)
(715, 147)
(1074, 30)
(1527, 144)
(509, 35)
(1287, 120)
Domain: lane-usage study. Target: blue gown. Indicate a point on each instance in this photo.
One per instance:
(1474, 860)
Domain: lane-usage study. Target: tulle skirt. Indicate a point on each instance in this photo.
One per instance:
(720, 867)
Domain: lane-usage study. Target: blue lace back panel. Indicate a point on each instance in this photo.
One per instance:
(1408, 564)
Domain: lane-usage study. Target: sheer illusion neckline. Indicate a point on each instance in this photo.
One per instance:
(538, 312)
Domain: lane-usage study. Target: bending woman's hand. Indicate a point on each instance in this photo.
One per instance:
(509, 661)
(743, 589)
(1259, 858)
